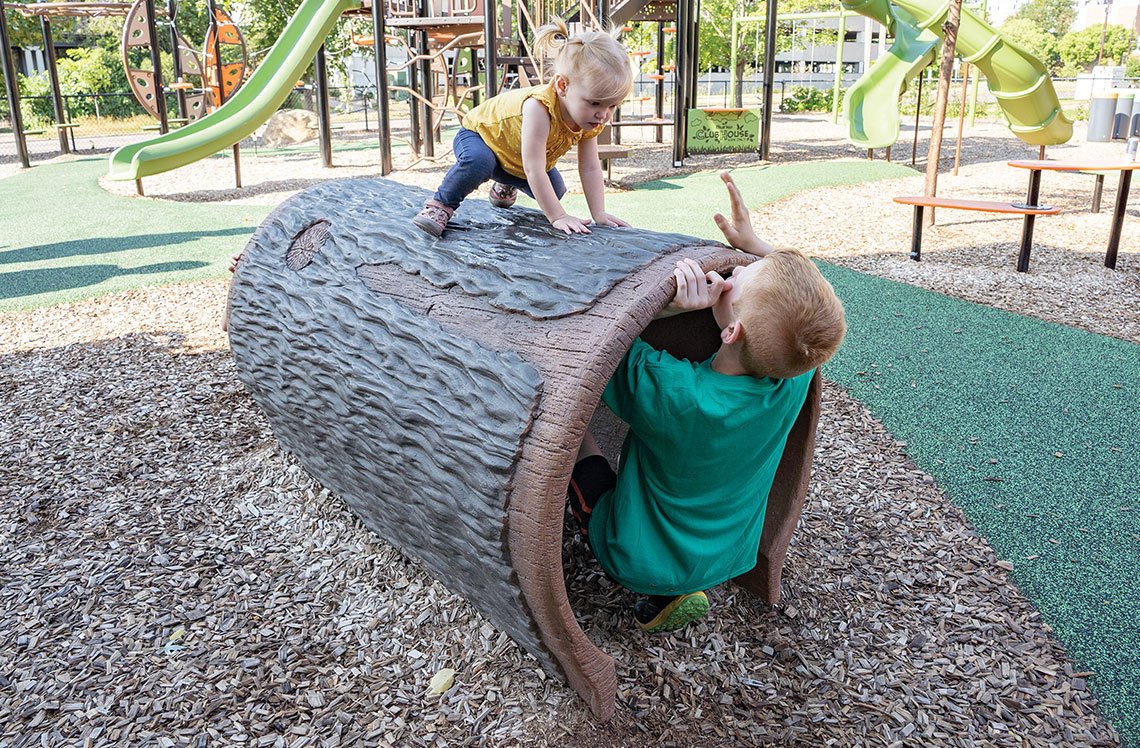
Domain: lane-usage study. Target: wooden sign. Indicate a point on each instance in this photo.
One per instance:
(723, 130)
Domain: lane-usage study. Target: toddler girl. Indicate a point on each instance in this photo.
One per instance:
(516, 137)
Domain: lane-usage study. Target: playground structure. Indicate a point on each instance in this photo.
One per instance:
(1018, 80)
(45, 12)
(444, 398)
(139, 33)
(443, 77)
(435, 55)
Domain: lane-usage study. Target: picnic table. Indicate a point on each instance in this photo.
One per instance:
(1124, 167)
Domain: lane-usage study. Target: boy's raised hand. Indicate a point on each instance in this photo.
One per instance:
(738, 232)
(696, 289)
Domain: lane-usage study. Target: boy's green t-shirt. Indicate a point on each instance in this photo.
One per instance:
(696, 469)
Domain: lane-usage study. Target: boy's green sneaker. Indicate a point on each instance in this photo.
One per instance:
(677, 614)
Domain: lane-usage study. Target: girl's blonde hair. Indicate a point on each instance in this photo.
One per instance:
(591, 56)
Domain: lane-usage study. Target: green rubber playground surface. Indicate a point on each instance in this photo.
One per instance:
(1029, 426)
(66, 239)
(660, 204)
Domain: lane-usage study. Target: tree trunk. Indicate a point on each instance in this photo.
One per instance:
(945, 71)
(442, 388)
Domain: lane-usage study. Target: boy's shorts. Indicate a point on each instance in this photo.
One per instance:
(592, 478)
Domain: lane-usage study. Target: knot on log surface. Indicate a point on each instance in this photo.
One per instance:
(442, 387)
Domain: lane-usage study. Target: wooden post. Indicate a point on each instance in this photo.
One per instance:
(917, 111)
(961, 115)
(156, 64)
(950, 31)
(380, 48)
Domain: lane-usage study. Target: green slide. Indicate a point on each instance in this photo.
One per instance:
(872, 103)
(252, 105)
(1017, 79)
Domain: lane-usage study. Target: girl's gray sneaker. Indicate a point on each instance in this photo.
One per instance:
(433, 218)
(503, 195)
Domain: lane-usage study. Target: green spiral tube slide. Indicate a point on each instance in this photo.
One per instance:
(1017, 79)
(872, 103)
(252, 105)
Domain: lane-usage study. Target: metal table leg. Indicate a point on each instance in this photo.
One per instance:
(1118, 218)
(916, 235)
(1027, 226)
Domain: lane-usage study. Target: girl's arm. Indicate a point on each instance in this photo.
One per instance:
(535, 129)
(590, 172)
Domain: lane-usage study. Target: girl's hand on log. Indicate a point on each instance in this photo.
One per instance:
(609, 219)
(570, 224)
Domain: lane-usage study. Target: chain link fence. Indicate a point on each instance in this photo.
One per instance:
(103, 122)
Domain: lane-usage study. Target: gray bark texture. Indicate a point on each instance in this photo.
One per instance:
(442, 387)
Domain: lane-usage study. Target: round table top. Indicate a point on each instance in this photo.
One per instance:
(1081, 165)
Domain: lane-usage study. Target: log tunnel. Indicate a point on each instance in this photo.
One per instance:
(442, 387)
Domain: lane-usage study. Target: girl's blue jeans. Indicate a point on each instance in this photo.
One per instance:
(475, 163)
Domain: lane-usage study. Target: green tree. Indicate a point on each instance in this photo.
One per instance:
(1082, 48)
(266, 20)
(1132, 67)
(1054, 16)
(1033, 39)
(715, 45)
(23, 31)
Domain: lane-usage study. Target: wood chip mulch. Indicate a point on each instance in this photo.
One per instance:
(169, 577)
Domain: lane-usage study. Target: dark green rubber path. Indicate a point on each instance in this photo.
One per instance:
(1032, 428)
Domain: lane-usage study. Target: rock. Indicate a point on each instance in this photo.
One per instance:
(289, 127)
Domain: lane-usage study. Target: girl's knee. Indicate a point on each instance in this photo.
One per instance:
(478, 159)
(557, 182)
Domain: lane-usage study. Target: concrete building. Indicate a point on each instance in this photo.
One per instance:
(1096, 12)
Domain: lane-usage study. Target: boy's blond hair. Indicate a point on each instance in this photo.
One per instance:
(793, 321)
(591, 56)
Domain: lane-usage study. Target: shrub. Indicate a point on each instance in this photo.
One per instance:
(807, 99)
(35, 100)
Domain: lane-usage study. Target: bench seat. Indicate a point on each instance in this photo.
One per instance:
(608, 152)
(986, 206)
(652, 122)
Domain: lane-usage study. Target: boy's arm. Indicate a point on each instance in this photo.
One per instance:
(738, 232)
(633, 392)
(696, 289)
(535, 129)
(590, 173)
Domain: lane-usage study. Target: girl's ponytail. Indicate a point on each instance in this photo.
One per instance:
(549, 41)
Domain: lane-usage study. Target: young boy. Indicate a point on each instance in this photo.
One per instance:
(686, 509)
